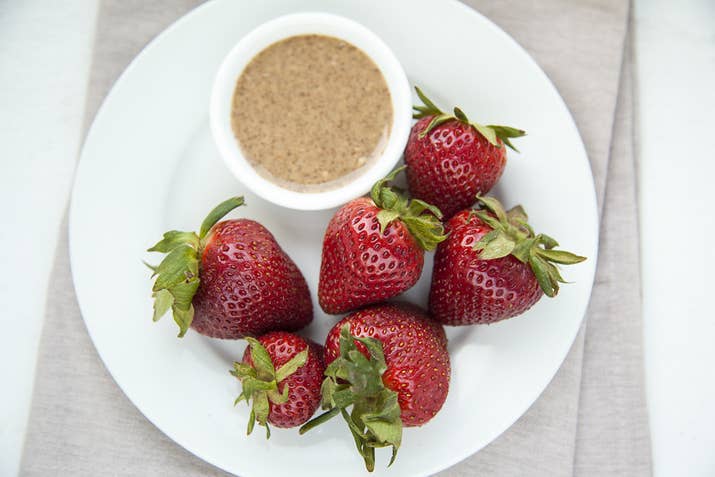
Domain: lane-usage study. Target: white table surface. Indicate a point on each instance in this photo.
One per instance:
(45, 49)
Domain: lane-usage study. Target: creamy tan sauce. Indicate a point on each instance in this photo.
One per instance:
(311, 111)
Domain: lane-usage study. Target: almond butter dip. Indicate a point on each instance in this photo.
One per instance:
(310, 111)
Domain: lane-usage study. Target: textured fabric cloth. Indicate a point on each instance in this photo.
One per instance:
(613, 435)
(591, 419)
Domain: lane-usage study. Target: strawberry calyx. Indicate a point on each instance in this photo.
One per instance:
(423, 220)
(353, 380)
(492, 132)
(177, 276)
(512, 234)
(259, 382)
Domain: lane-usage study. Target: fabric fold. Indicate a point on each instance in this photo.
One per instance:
(613, 436)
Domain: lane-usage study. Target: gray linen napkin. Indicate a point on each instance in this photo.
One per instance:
(590, 420)
(613, 433)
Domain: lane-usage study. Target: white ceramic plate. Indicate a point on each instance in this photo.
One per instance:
(149, 165)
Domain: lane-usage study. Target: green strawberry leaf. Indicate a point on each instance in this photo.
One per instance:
(179, 265)
(261, 408)
(417, 207)
(292, 365)
(517, 213)
(385, 424)
(494, 206)
(554, 274)
(547, 241)
(490, 220)
(561, 256)
(511, 234)
(242, 370)
(184, 292)
(386, 217)
(429, 108)
(173, 239)
(427, 230)
(327, 391)
(343, 398)
(259, 382)
(253, 385)
(162, 302)
(177, 276)
(150, 267)
(251, 422)
(499, 247)
(421, 219)
(183, 318)
(218, 213)
(487, 132)
(436, 121)
(354, 380)
(279, 397)
(374, 347)
(505, 133)
(261, 359)
(540, 268)
(491, 133)
(486, 238)
(382, 194)
(523, 249)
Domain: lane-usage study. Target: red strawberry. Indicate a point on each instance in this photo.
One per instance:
(282, 374)
(229, 281)
(493, 267)
(374, 248)
(400, 376)
(451, 159)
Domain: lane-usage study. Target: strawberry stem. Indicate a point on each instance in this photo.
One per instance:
(218, 213)
(355, 381)
(421, 219)
(177, 276)
(491, 133)
(259, 382)
(325, 417)
(512, 235)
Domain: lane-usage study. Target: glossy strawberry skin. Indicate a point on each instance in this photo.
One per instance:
(249, 285)
(467, 290)
(360, 265)
(415, 349)
(451, 164)
(303, 385)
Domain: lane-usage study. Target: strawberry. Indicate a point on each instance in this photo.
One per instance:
(374, 248)
(230, 280)
(390, 363)
(282, 374)
(493, 267)
(451, 159)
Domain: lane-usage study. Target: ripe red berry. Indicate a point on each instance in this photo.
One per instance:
(229, 281)
(493, 267)
(389, 361)
(374, 248)
(450, 159)
(281, 373)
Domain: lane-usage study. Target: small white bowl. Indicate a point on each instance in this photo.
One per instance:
(300, 24)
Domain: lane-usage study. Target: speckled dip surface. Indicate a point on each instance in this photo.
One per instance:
(311, 111)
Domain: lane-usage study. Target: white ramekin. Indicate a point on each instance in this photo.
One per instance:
(299, 24)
